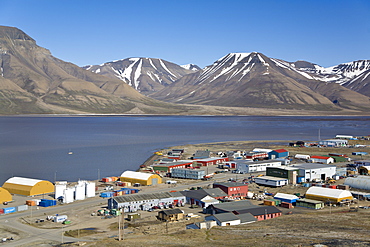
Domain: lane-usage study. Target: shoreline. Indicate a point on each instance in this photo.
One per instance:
(181, 115)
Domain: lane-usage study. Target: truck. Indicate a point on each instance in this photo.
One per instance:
(208, 176)
(60, 218)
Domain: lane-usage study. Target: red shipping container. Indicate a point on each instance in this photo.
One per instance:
(108, 179)
(286, 205)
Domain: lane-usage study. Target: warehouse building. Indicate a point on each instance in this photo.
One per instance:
(286, 197)
(258, 166)
(204, 197)
(308, 203)
(233, 189)
(333, 143)
(5, 196)
(321, 159)
(187, 173)
(167, 167)
(141, 178)
(28, 186)
(328, 195)
(288, 172)
(271, 181)
(359, 182)
(278, 153)
(210, 161)
(313, 171)
(133, 203)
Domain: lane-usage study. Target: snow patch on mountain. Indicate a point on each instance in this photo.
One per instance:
(190, 66)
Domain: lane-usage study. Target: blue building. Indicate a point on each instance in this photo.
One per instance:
(278, 153)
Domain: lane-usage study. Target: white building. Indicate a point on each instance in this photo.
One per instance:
(334, 143)
(225, 219)
(314, 171)
(321, 159)
(257, 166)
(271, 181)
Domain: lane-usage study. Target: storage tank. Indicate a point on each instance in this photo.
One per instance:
(90, 189)
(359, 182)
(59, 190)
(68, 195)
(80, 192)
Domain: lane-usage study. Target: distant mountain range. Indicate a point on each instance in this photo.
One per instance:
(146, 75)
(33, 81)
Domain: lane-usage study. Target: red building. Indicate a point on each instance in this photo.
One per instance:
(211, 161)
(256, 155)
(233, 189)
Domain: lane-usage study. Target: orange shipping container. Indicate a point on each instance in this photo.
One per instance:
(268, 203)
(31, 203)
(114, 179)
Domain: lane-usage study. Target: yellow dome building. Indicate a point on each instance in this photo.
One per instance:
(141, 178)
(5, 196)
(28, 186)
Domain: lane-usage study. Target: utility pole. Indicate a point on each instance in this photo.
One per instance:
(119, 227)
(123, 224)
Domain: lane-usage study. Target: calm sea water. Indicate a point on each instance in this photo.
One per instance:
(37, 147)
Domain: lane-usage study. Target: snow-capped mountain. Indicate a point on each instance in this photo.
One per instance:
(146, 75)
(341, 73)
(32, 80)
(191, 66)
(252, 79)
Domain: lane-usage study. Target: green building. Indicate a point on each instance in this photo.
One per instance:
(289, 173)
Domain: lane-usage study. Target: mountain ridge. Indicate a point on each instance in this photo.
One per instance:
(33, 81)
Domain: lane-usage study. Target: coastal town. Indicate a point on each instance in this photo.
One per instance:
(190, 190)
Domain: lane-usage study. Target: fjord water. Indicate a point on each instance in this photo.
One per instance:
(39, 146)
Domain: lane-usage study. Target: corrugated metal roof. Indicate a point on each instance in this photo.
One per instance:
(319, 157)
(359, 182)
(201, 193)
(231, 184)
(246, 218)
(143, 197)
(311, 166)
(136, 175)
(225, 217)
(259, 210)
(327, 192)
(286, 196)
(230, 206)
(309, 200)
(23, 181)
(270, 178)
(172, 211)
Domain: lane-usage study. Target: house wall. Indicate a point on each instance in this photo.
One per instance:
(144, 204)
(311, 174)
(267, 216)
(275, 183)
(225, 223)
(233, 191)
(257, 167)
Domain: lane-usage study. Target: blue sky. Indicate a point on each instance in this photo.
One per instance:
(194, 31)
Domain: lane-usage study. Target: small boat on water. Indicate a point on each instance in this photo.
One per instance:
(70, 152)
